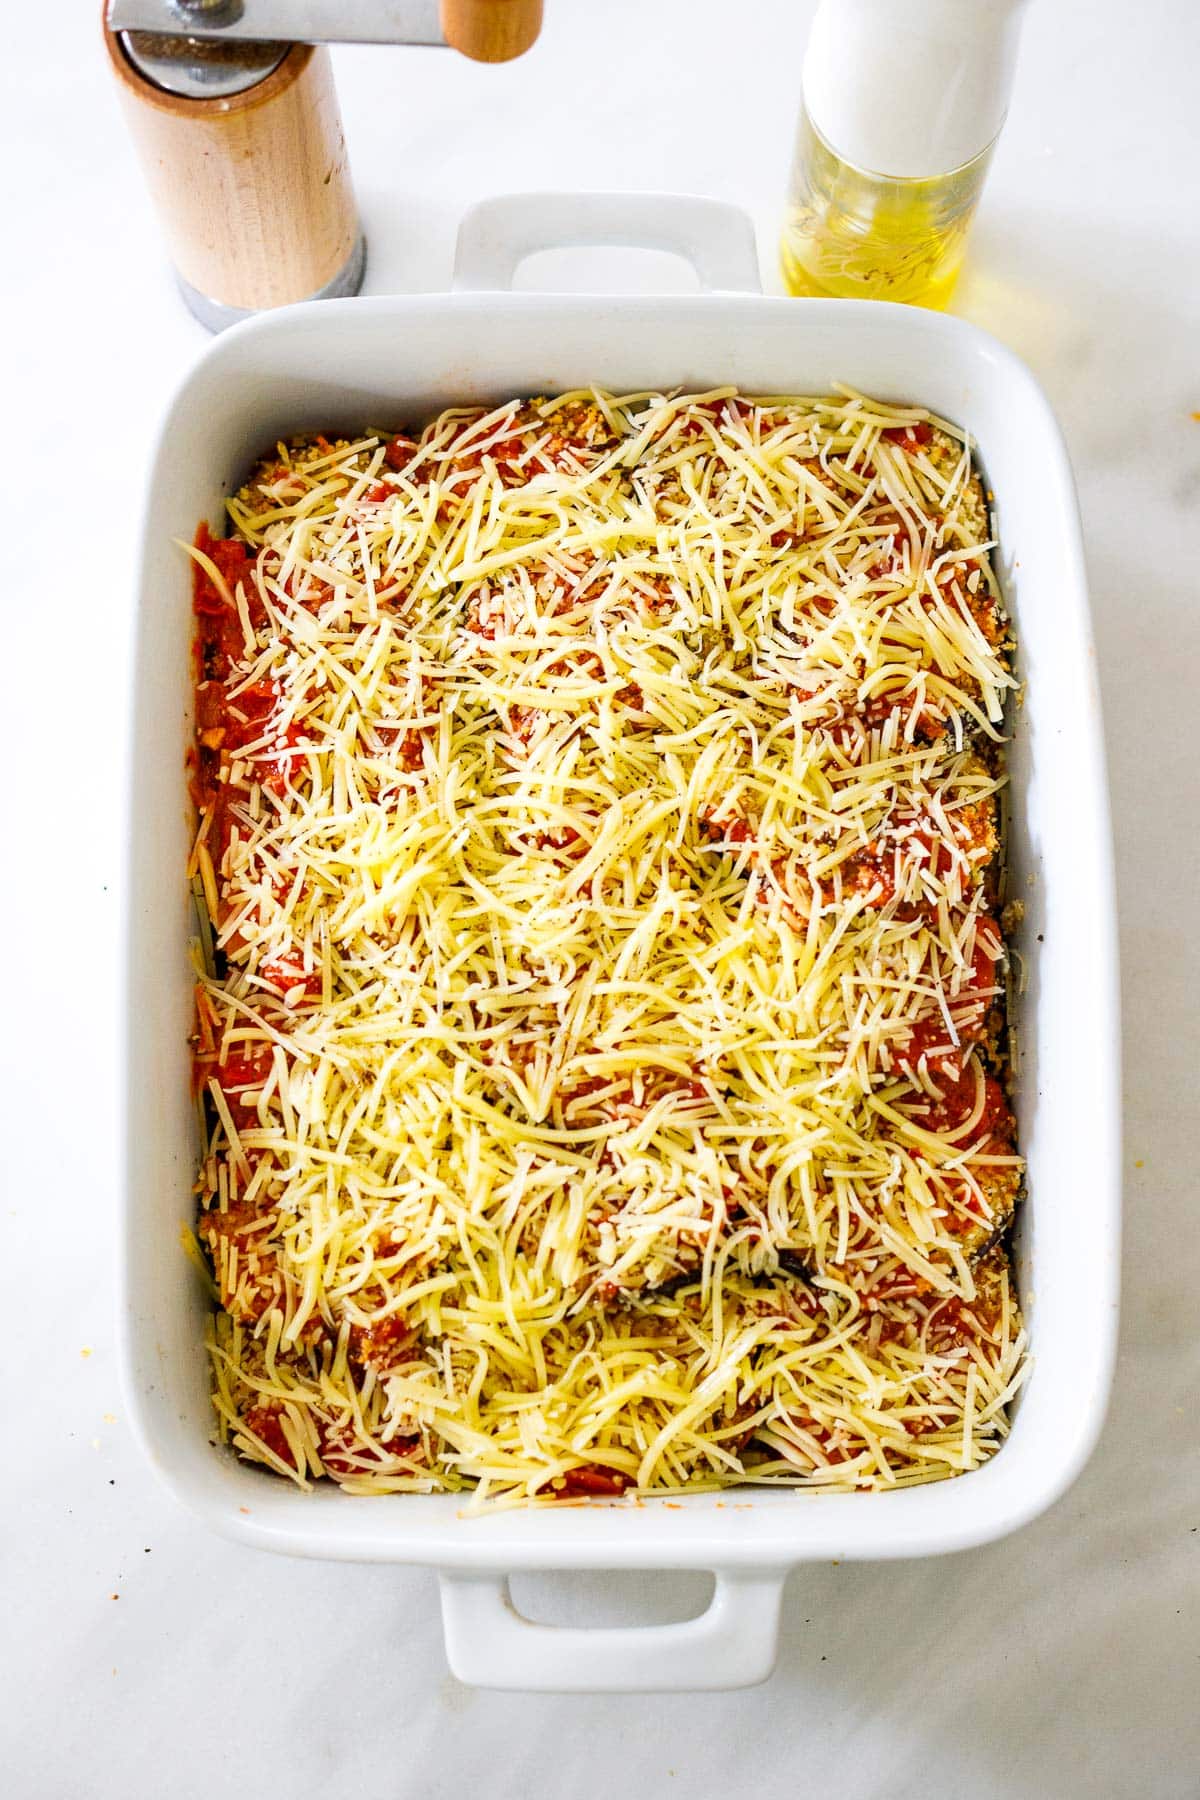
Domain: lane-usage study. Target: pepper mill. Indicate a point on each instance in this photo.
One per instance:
(240, 138)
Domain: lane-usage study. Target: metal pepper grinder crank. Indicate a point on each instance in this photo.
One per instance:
(237, 127)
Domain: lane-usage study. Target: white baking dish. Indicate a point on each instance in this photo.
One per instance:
(343, 363)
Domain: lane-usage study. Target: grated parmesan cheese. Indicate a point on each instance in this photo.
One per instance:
(604, 1039)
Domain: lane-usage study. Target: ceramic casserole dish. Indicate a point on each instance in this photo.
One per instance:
(339, 364)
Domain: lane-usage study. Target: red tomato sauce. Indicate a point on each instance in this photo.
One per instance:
(265, 1422)
(589, 1481)
(957, 1102)
(240, 1078)
(909, 437)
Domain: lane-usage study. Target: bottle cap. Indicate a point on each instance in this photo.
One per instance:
(911, 88)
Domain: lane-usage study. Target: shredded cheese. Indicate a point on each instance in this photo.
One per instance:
(605, 1037)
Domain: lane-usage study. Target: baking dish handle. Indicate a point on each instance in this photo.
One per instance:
(732, 1644)
(496, 235)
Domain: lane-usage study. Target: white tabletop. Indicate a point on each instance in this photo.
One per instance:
(145, 1658)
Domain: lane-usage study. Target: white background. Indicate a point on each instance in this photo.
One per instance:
(143, 1658)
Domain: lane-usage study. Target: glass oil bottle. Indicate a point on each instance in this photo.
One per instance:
(903, 102)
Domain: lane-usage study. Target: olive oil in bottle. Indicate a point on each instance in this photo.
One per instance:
(903, 102)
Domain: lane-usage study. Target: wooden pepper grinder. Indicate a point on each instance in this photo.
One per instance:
(240, 137)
